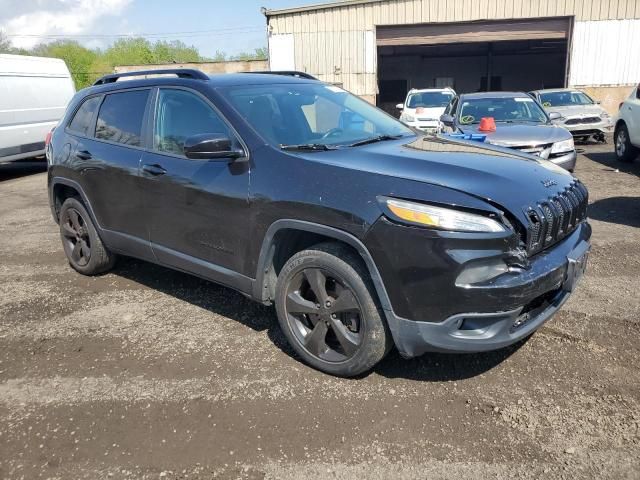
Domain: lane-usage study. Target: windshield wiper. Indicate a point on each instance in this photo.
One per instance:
(316, 147)
(379, 138)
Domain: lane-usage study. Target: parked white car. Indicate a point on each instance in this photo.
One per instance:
(581, 115)
(34, 92)
(422, 108)
(627, 133)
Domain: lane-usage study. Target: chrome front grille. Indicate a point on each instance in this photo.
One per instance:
(554, 218)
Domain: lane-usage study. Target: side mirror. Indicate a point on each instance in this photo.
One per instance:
(554, 116)
(447, 119)
(400, 106)
(211, 146)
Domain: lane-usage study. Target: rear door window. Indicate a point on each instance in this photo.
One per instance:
(83, 120)
(120, 117)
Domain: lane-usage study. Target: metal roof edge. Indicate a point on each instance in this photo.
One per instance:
(316, 6)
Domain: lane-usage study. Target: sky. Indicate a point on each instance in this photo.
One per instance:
(230, 26)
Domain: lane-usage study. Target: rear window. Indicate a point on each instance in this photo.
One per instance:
(82, 122)
(120, 117)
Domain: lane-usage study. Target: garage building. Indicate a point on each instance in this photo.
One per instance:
(379, 49)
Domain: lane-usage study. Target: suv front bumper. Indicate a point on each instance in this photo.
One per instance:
(496, 313)
(587, 129)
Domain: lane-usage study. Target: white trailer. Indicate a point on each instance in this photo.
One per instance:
(34, 92)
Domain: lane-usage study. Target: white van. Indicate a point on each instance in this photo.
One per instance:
(34, 92)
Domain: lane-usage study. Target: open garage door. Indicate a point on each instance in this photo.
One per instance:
(474, 32)
(519, 55)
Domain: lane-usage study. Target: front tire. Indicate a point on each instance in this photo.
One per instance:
(625, 151)
(328, 311)
(82, 245)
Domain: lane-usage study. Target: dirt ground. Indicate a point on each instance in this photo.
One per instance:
(149, 373)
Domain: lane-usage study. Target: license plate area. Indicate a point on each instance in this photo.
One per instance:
(576, 266)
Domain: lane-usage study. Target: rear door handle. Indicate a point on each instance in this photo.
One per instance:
(84, 155)
(153, 169)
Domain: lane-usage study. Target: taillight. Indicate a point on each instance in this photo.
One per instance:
(47, 139)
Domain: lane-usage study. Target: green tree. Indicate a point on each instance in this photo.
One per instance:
(79, 59)
(175, 51)
(219, 56)
(130, 51)
(257, 54)
(99, 68)
(5, 43)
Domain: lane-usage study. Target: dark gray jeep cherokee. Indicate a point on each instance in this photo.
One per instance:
(362, 232)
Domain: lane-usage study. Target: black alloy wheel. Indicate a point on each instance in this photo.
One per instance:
(80, 240)
(324, 315)
(329, 311)
(76, 240)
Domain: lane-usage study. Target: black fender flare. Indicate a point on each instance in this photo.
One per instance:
(268, 247)
(76, 186)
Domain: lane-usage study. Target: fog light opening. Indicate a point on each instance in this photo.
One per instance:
(481, 271)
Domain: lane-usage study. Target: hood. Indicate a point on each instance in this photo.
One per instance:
(571, 111)
(499, 175)
(521, 134)
(423, 113)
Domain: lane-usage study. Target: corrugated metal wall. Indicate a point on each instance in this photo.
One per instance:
(606, 53)
(331, 42)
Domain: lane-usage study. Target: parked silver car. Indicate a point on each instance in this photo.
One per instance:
(581, 115)
(520, 123)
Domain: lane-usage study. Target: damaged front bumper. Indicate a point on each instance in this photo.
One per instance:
(499, 312)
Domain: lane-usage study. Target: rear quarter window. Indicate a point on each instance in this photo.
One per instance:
(83, 120)
(120, 117)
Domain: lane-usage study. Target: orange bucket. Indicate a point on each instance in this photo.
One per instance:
(487, 124)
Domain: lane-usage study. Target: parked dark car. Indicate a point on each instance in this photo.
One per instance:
(362, 232)
(521, 124)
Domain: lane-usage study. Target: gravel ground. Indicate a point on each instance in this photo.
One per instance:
(149, 373)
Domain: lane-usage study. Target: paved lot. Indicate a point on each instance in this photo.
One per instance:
(148, 373)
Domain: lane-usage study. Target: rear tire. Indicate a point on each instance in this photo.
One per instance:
(328, 310)
(625, 151)
(82, 245)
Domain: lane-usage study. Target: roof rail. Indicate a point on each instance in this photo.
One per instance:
(289, 73)
(179, 72)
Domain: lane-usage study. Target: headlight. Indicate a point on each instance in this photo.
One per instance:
(405, 117)
(605, 115)
(444, 218)
(563, 146)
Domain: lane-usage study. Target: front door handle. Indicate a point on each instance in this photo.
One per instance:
(154, 169)
(84, 155)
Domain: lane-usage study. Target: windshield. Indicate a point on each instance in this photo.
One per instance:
(564, 99)
(506, 109)
(311, 114)
(429, 99)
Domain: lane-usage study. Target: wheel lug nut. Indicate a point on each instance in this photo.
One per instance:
(333, 315)
(327, 303)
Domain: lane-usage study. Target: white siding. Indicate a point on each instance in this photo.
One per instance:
(370, 52)
(605, 53)
(282, 52)
(332, 41)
